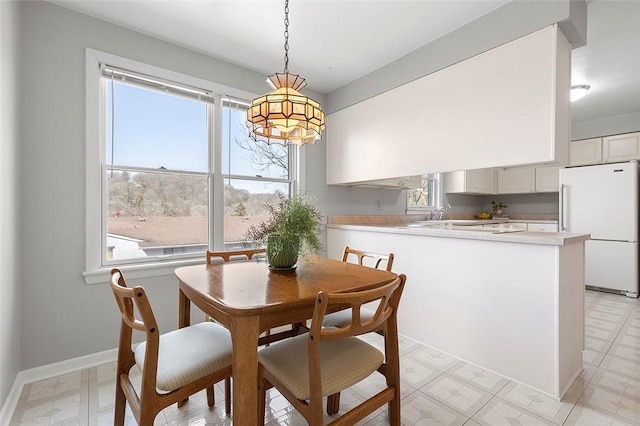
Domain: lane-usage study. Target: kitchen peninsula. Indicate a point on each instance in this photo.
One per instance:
(509, 301)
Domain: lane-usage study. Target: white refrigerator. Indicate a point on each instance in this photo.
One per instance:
(602, 201)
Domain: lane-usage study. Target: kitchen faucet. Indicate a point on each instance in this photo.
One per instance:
(438, 212)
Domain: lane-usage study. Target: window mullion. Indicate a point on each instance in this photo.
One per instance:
(255, 178)
(155, 170)
(216, 179)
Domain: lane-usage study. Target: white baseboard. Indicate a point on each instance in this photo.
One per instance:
(48, 371)
(11, 402)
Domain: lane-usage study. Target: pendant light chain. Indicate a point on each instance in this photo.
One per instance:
(285, 114)
(286, 36)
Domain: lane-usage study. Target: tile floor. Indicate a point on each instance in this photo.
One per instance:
(436, 389)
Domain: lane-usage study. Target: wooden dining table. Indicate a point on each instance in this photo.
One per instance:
(247, 298)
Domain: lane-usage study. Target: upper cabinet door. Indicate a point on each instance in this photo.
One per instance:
(585, 151)
(518, 180)
(487, 181)
(621, 147)
(479, 181)
(547, 179)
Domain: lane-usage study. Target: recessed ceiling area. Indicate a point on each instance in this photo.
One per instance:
(334, 42)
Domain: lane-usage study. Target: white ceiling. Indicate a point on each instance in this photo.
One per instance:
(333, 42)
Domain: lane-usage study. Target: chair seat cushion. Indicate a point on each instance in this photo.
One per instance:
(343, 318)
(188, 354)
(343, 363)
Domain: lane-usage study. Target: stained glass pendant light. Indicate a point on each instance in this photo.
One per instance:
(285, 115)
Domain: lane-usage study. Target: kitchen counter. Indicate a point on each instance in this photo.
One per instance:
(509, 302)
(445, 230)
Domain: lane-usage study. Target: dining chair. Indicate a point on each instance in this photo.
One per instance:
(364, 258)
(343, 318)
(326, 361)
(233, 255)
(174, 365)
(368, 258)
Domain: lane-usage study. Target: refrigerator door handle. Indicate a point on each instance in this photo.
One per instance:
(562, 215)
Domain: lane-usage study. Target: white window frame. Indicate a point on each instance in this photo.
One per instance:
(95, 271)
(438, 197)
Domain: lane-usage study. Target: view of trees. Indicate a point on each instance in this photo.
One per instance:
(421, 197)
(159, 194)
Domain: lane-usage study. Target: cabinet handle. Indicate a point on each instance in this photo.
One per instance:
(562, 207)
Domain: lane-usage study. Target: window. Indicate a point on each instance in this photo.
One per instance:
(156, 173)
(175, 171)
(428, 196)
(253, 172)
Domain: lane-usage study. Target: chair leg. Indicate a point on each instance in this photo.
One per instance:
(262, 395)
(299, 328)
(315, 416)
(227, 396)
(181, 403)
(120, 407)
(394, 411)
(211, 397)
(333, 404)
(147, 417)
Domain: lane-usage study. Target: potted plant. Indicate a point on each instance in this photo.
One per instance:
(497, 208)
(292, 229)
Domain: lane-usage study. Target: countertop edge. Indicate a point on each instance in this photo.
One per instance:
(522, 237)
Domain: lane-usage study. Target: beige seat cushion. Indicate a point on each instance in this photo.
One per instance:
(188, 354)
(344, 362)
(343, 318)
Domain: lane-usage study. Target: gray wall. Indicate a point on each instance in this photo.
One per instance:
(606, 126)
(546, 203)
(9, 188)
(62, 317)
(347, 200)
(513, 20)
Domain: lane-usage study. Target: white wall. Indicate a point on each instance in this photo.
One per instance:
(9, 188)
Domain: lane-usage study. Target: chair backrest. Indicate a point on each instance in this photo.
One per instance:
(367, 258)
(387, 298)
(231, 255)
(129, 301)
(126, 298)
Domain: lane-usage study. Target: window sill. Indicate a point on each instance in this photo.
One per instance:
(102, 275)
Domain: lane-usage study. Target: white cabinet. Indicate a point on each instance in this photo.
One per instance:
(608, 149)
(585, 151)
(542, 227)
(517, 180)
(505, 225)
(547, 179)
(519, 225)
(454, 118)
(523, 180)
(527, 226)
(406, 182)
(479, 181)
(621, 148)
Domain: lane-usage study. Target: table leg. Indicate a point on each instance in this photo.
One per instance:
(244, 337)
(184, 310)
